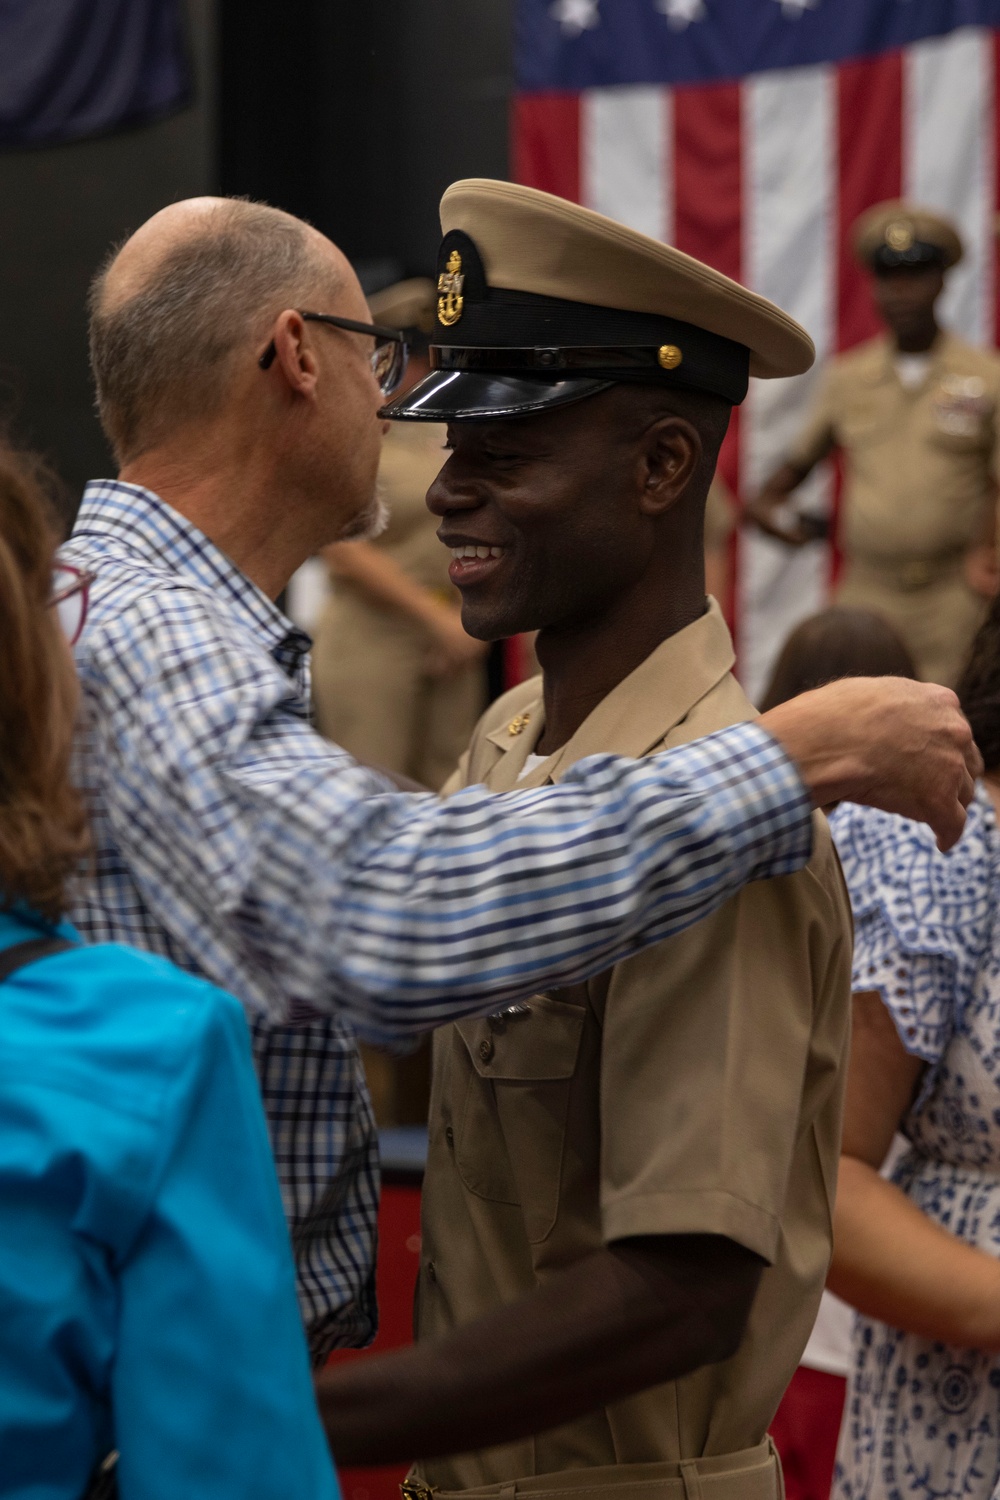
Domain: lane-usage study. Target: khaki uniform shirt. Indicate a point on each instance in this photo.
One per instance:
(919, 462)
(694, 1088)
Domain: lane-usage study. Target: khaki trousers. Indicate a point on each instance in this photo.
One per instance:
(929, 605)
(752, 1474)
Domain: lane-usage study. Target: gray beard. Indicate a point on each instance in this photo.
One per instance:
(369, 522)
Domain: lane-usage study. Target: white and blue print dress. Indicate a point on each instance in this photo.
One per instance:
(922, 1419)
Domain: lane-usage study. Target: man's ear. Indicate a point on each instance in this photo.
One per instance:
(672, 450)
(293, 355)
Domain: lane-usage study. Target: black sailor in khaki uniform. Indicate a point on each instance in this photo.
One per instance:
(628, 1200)
(916, 415)
(695, 1088)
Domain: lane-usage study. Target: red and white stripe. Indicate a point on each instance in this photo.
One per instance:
(763, 179)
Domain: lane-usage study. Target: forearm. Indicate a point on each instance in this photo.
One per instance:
(765, 506)
(776, 489)
(405, 912)
(596, 1332)
(781, 484)
(408, 913)
(457, 906)
(895, 1264)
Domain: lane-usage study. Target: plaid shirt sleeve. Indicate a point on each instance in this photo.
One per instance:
(401, 912)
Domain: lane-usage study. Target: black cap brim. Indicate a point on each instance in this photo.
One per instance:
(457, 395)
(919, 256)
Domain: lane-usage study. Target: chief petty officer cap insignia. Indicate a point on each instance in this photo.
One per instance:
(540, 303)
(898, 234)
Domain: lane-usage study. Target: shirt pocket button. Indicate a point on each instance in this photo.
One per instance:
(486, 1050)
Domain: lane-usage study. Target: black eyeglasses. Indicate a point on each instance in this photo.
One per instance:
(389, 357)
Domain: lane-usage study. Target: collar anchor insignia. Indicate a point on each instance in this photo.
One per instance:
(450, 284)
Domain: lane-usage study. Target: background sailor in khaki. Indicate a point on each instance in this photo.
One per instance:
(630, 1181)
(396, 680)
(915, 413)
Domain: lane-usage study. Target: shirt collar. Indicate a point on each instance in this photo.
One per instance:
(642, 710)
(882, 365)
(128, 518)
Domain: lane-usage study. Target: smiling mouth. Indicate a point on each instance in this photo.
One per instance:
(461, 553)
(473, 562)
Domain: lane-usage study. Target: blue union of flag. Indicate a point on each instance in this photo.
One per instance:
(73, 68)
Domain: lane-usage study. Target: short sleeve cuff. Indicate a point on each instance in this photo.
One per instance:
(764, 802)
(922, 919)
(919, 990)
(694, 1212)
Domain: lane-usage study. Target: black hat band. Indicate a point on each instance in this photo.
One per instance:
(918, 254)
(666, 364)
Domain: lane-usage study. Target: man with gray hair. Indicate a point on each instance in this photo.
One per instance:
(240, 380)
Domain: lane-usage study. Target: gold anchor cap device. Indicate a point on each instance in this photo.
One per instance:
(450, 283)
(541, 303)
(899, 235)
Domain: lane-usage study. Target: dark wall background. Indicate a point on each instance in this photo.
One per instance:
(61, 209)
(358, 113)
(354, 113)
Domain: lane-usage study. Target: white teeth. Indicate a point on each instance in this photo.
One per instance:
(478, 552)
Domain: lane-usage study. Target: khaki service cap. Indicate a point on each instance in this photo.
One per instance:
(406, 304)
(898, 233)
(540, 302)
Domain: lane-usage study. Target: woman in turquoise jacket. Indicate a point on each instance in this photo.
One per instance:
(147, 1295)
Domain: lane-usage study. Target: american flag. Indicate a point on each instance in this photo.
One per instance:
(751, 133)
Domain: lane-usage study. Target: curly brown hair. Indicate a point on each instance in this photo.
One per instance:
(43, 834)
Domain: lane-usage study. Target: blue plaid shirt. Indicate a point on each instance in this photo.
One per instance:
(234, 840)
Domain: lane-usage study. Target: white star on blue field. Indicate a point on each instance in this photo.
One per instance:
(578, 16)
(681, 13)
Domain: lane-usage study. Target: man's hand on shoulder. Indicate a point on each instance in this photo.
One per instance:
(902, 746)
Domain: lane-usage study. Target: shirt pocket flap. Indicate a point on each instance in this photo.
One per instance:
(534, 1042)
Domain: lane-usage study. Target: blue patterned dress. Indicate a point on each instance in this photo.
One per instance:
(923, 1419)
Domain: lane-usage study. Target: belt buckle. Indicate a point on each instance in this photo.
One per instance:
(416, 1489)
